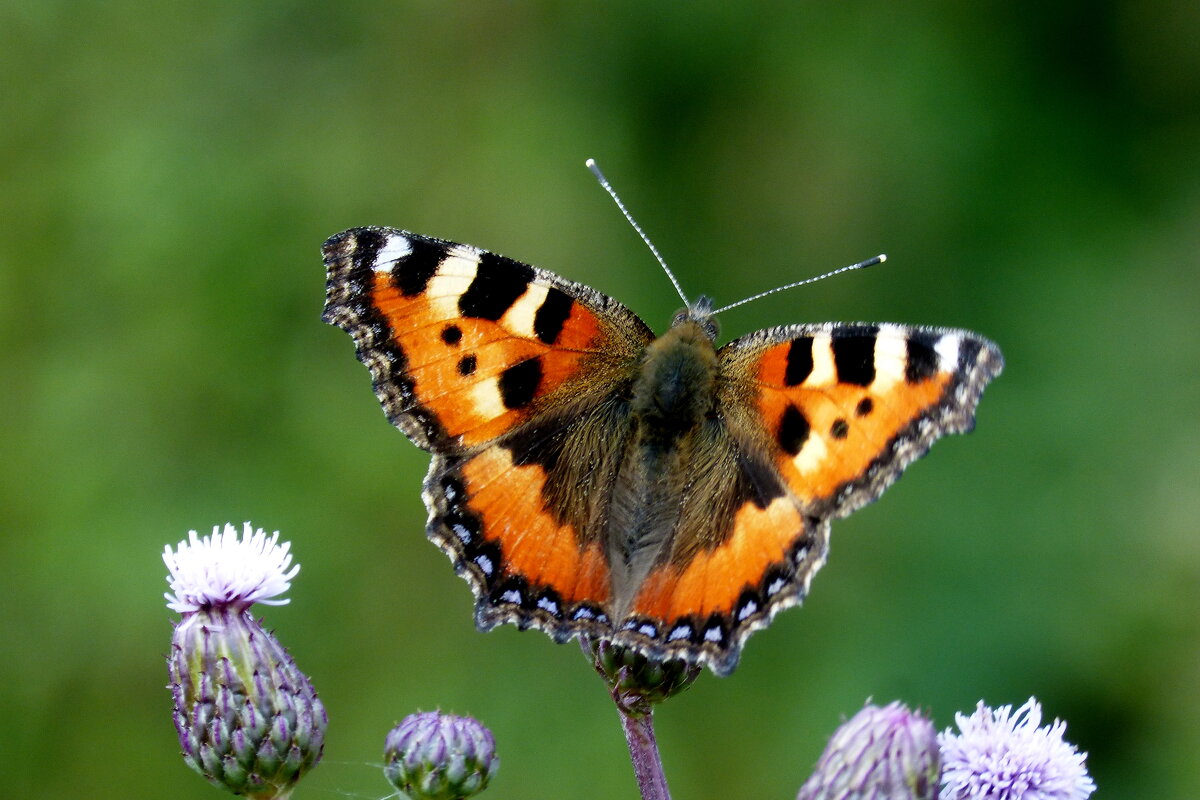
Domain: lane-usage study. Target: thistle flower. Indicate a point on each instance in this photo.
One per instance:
(887, 753)
(248, 720)
(436, 756)
(1001, 755)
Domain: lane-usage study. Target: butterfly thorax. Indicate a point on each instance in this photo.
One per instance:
(674, 391)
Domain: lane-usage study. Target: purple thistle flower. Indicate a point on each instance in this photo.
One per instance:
(887, 753)
(248, 720)
(1001, 755)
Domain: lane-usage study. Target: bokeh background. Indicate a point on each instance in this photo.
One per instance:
(170, 170)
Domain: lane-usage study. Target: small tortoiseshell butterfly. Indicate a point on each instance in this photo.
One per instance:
(590, 478)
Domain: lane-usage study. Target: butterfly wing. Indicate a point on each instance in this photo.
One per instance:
(815, 421)
(848, 407)
(511, 376)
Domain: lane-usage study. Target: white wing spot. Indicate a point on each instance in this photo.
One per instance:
(460, 261)
(486, 400)
(891, 357)
(947, 350)
(395, 249)
(823, 373)
(712, 635)
(747, 610)
(511, 596)
(454, 275)
(812, 454)
(521, 314)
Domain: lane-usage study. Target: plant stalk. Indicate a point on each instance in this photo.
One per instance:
(643, 751)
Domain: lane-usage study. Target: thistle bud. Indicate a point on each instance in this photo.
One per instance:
(436, 756)
(886, 753)
(635, 681)
(248, 720)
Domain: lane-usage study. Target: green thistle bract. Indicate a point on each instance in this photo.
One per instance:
(635, 681)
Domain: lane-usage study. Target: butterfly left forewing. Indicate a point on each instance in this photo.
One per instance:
(846, 408)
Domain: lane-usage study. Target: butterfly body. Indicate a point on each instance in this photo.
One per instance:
(590, 478)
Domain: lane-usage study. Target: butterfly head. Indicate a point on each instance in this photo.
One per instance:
(701, 313)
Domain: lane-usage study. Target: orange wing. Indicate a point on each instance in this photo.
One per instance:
(480, 359)
(848, 407)
(820, 420)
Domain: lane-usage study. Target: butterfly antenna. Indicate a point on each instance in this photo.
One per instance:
(870, 262)
(591, 164)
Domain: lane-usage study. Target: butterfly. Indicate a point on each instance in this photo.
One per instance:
(589, 478)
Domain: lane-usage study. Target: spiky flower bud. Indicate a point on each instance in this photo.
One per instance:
(436, 756)
(635, 681)
(248, 720)
(886, 753)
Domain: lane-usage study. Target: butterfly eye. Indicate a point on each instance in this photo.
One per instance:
(700, 313)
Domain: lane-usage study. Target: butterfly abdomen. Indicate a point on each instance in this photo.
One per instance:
(673, 395)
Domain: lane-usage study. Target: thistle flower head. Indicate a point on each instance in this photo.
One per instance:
(248, 720)
(887, 753)
(436, 756)
(1004, 755)
(223, 570)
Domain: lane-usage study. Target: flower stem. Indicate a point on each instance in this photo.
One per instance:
(643, 751)
(636, 683)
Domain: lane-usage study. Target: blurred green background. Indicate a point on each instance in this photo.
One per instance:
(170, 170)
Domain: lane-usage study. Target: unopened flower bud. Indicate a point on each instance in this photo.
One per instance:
(886, 753)
(635, 681)
(436, 756)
